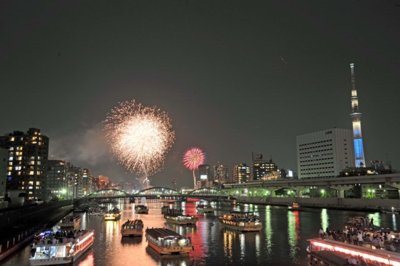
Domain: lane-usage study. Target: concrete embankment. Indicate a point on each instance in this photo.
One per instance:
(18, 234)
(333, 203)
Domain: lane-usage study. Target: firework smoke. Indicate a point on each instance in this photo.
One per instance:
(139, 137)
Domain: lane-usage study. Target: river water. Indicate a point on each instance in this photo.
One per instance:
(282, 241)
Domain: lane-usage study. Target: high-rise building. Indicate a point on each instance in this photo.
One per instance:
(356, 122)
(241, 173)
(204, 176)
(220, 174)
(261, 167)
(324, 153)
(27, 162)
(58, 181)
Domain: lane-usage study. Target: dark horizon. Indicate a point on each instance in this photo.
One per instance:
(234, 77)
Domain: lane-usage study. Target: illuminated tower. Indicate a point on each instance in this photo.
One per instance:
(356, 121)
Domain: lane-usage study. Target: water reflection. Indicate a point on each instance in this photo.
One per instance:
(268, 229)
(394, 222)
(293, 232)
(228, 242)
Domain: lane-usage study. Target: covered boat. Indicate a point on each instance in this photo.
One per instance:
(112, 215)
(132, 228)
(70, 222)
(241, 221)
(167, 242)
(141, 209)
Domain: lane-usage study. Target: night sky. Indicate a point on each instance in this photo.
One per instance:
(234, 76)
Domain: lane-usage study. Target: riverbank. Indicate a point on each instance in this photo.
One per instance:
(330, 203)
(20, 234)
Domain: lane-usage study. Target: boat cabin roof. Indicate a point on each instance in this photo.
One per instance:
(162, 233)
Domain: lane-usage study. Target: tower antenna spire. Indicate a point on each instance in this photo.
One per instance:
(356, 122)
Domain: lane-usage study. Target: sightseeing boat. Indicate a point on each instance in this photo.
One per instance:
(70, 222)
(330, 252)
(112, 215)
(175, 216)
(62, 247)
(167, 242)
(132, 228)
(241, 221)
(141, 209)
(205, 208)
(181, 219)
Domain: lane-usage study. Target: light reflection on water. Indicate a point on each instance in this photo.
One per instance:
(282, 242)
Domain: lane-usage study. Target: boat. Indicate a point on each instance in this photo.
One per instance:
(141, 209)
(241, 221)
(167, 242)
(112, 215)
(181, 219)
(62, 247)
(132, 228)
(204, 208)
(70, 222)
(331, 252)
(176, 216)
(168, 210)
(294, 207)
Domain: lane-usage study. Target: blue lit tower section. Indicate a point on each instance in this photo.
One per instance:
(356, 121)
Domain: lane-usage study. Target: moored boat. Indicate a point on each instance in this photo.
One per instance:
(132, 228)
(62, 247)
(112, 215)
(241, 221)
(70, 222)
(141, 209)
(168, 242)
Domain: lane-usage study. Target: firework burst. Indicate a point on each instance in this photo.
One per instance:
(139, 137)
(192, 158)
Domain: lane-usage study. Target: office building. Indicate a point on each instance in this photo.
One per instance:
(324, 153)
(204, 179)
(220, 174)
(27, 162)
(241, 173)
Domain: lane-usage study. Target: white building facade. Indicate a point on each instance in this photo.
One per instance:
(324, 153)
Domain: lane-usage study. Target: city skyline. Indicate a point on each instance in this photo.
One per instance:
(237, 80)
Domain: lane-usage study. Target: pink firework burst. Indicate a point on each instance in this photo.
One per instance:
(192, 158)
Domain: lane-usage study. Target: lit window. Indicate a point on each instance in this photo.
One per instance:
(19, 158)
(11, 158)
(11, 148)
(19, 173)
(8, 173)
(30, 187)
(30, 182)
(31, 172)
(37, 183)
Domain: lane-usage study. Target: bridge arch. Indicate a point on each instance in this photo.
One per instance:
(207, 191)
(158, 191)
(112, 192)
